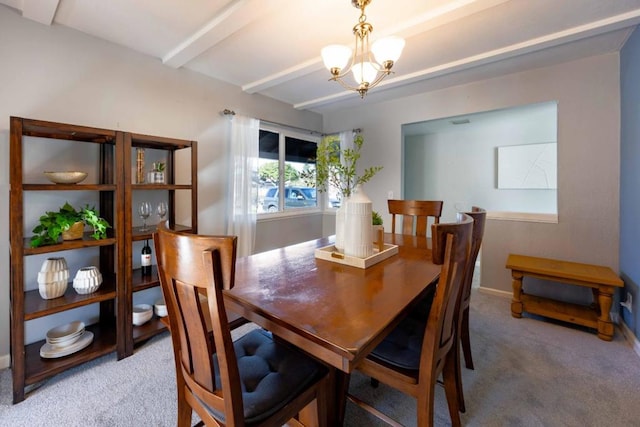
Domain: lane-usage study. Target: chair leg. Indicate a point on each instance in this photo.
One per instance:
(425, 405)
(451, 389)
(464, 338)
(458, 375)
(184, 410)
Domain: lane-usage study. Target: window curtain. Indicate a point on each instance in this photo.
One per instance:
(242, 194)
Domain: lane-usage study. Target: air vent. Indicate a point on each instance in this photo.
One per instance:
(460, 122)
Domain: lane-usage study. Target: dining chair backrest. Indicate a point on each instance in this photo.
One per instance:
(189, 267)
(397, 362)
(209, 377)
(479, 216)
(415, 215)
(451, 248)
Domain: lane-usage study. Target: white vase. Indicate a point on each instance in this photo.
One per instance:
(340, 225)
(52, 278)
(358, 233)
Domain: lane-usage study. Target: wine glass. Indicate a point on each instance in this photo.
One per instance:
(162, 210)
(144, 210)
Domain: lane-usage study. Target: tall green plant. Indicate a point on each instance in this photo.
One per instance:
(337, 168)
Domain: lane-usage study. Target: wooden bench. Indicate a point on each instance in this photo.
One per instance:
(602, 281)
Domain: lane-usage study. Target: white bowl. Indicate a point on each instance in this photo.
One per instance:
(54, 264)
(65, 331)
(52, 290)
(69, 177)
(160, 308)
(142, 313)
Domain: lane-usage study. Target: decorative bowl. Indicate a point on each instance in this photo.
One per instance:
(160, 308)
(69, 177)
(64, 332)
(142, 313)
(87, 280)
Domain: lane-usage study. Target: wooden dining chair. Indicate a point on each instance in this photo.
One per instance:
(254, 381)
(413, 356)
(415, 215)
(479, 216)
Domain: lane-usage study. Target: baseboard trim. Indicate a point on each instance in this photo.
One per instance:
(630, 337)
(5, 361)
(496, 292)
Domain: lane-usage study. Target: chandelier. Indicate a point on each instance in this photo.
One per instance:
(367, 72)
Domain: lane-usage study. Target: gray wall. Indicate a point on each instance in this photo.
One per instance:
(458, 163)
(52, 73)
(587, 92)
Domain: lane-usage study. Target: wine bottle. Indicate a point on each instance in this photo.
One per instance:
(145, 260)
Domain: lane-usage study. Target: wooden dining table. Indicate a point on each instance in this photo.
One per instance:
(334, 312)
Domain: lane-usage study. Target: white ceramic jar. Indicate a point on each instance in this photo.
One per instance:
(53, 277)
(358, 239)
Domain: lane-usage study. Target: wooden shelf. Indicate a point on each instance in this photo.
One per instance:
(114, 298)
(140, 282)
(68, 187)
(35, 306)
(86, 242)
(559, 310)
(149, 329)
(38, 369)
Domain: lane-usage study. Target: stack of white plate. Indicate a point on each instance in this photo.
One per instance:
(66, 339)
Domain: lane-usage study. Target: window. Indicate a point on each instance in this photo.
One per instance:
(286, 166)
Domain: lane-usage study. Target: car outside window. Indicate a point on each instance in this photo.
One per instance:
(286, 165)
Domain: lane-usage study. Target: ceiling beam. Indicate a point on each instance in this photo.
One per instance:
(42, 11)
(434, 18)
(591, 29)
(233, 17)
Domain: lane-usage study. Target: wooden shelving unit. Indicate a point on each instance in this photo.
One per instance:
(114, 330)
(134, 280)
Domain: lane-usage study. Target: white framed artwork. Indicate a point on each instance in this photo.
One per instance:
(529, 166)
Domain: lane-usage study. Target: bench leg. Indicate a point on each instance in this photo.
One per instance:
(605, 326)
(516, 302)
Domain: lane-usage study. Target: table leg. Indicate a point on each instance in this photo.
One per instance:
(516, 302)
(337, 402)
(605, 326)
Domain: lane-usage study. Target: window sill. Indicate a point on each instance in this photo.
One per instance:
(547, 218)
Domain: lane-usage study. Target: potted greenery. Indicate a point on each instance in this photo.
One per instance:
(336, 167)
(156, 176)
(55, 224)
(376, 221)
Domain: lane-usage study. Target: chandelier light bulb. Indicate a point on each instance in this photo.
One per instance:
(387, 49)
(336, 56)
(364, 72)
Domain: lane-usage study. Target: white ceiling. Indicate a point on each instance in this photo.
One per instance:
(272, 47)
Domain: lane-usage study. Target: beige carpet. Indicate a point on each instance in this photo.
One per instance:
(528, 373)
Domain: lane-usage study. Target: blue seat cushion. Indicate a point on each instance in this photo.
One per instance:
(402, 346)
(271, 374)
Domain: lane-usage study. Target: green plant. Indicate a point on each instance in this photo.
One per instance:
(158, 167)
(337, 168)
(376, 219)
(53, 224)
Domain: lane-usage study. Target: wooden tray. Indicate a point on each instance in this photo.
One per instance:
(330, 253)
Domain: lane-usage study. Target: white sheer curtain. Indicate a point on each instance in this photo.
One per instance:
(242, 194)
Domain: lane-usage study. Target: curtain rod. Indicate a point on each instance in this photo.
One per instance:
(228, 112)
